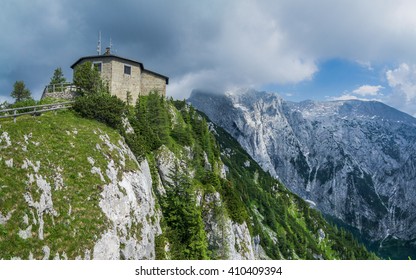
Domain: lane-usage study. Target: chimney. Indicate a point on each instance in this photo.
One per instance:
(107, 51)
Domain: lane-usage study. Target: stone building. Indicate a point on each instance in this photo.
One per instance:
(125, 75)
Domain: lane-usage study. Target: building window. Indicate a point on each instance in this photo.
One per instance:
(127, 69)
(98, 65)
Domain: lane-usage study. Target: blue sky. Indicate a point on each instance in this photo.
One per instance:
(333, 79)
(301, 49)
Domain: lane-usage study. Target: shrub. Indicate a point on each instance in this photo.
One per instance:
(24, 103)
(101, 107)
(51, 100)
(88, 81)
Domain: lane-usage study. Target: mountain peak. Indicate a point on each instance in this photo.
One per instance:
(354, 159)
(357, 109)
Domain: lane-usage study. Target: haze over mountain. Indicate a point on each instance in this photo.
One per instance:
(355, 160)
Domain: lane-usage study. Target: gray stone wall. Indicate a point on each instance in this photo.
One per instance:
(66, 94)
(112, 71)
(152, 82)
(105, 68)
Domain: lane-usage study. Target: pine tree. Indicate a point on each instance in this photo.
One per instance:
(158, 116)
(183, 218)
(143, 127)
(58, 77)
(88, 80)
(20, 92)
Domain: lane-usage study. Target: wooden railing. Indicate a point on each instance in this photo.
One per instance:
(60, 88)
(32, 110)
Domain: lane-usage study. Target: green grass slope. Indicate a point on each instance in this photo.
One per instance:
(47, 160)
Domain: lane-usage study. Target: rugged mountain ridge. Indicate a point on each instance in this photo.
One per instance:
(354, 160)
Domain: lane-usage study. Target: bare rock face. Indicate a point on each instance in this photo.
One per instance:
(108, 247)
(44, 205)
(355, 160)
(128, 203)
(5, 218)
(239, 241)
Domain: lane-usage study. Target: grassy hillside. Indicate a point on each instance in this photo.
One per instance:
(46, 163)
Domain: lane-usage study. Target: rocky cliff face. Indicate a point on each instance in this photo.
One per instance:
(76, 193)
(71, 188)
(355, 160)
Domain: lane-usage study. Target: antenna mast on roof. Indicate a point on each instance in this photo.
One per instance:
(99, 43)
(110, 47)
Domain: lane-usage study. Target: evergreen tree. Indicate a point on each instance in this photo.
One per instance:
(152, 121)
(142, 126)
(58, 77)
(20, 92)
(88, 80)
(158, 116)
(184, 219)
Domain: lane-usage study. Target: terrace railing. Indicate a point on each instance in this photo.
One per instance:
(33, 110)
(63, 87)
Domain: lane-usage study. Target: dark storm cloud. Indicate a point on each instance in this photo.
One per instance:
(211, 44)
(39, 36)
(204, 44)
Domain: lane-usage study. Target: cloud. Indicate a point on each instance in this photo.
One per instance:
(210, 44)
(364, 93)
(250, 50)
(345, 96)
(354, 29)
(365, 64)
(367, 90)
(204, 44)
(401, 91)
(402, 80)
(349, 96)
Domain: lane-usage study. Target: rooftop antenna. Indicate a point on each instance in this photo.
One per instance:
(111, 46)
(99, 43)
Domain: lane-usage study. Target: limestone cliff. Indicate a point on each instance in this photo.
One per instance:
(353, 160)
